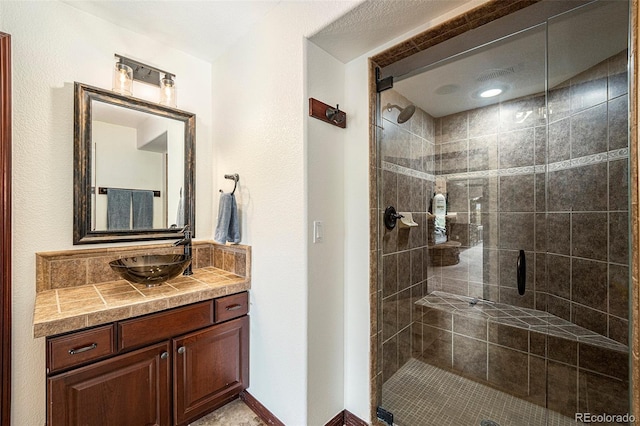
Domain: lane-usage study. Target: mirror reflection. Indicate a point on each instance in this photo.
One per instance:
(137, 171)
(134, 168)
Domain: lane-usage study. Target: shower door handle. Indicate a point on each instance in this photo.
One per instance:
(521, 272)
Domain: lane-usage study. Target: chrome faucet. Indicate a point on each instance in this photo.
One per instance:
(186, 242)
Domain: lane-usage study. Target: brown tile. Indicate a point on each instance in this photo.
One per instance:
(68, 273)
(588, 187)
(512, 337)
(508, 370)
(589, 237)
(437, 346)
(241, 264)
(618, 121)
(538, 343)
(562, 388)
(404, 346)
(619, 330)
(405, 309)
(619, 237)
(517, 193)
(149, 307)
(43, 274)
(563, 350)
(589, 283)
(516, 231)
(475, 327)
(389, 316)
(437, 318)
(603, 360)
(559, 276)
(59, 326)
(470, 357)
(589, 129)
(600, 394)
(109, 315)
(218, 259)
(390, 274)
(589, 318)
(390, 358)
(537, 381)
(99, 271)
(559, 231)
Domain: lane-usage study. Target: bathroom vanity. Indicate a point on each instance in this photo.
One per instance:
(119, 353)
(192, 359)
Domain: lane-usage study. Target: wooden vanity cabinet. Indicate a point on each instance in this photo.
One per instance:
(210, 368)
(170, 382)
(130, 389)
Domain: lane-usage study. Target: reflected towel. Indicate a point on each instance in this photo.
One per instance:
(118, 209)
(228, 229)
(180, 214)
(142, 206)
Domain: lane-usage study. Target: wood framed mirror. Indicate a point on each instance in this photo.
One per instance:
(134, 168)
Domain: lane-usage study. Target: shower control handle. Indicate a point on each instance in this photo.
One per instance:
(521, 272)
(391, 217)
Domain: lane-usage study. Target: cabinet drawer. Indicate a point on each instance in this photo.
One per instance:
(163, 325)
(230, 307)
(78, 348)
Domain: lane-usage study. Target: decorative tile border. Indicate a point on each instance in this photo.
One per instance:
(588, 160)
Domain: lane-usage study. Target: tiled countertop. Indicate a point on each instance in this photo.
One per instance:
(68, 309)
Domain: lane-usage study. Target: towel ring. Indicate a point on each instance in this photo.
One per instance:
(235, 178)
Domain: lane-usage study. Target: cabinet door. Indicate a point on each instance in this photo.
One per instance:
(210, 367)
(130, 389)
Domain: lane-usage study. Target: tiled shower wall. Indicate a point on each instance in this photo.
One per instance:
(406, 152)
(496, 156)
(580, 242)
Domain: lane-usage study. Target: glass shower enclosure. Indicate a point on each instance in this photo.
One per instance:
(504, 263)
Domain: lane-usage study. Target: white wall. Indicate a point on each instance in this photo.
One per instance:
(260, 109)
(325, 203)
(123, 165)
(54, 45)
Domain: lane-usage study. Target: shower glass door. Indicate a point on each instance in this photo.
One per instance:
(504, 287)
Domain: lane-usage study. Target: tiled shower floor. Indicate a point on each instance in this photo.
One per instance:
(420, 394)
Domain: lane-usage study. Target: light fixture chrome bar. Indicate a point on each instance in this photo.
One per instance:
(143, 72)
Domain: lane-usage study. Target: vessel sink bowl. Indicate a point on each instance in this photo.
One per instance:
(151, 270)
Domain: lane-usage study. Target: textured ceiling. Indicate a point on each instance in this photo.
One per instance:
(204, 28)
(375, 22)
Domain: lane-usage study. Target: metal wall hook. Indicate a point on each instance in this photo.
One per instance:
(235, 178)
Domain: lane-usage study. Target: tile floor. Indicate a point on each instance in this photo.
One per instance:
(235, 413)
(422, 395)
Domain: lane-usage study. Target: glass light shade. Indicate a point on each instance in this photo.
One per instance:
(122, 79)
(168, 92)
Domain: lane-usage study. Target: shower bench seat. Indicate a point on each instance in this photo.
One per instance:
(516, 349)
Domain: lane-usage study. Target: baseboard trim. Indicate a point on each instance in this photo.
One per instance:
(343, 418)
(346, 418)
(261, 411)
(338, 420)
(351, 419)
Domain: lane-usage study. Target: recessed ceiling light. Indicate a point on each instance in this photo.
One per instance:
(490, 93)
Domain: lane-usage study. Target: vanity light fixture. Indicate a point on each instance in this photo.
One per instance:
(168, 91)
(122, 78)
(127, 70)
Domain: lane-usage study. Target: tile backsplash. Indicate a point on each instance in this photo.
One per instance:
(73, 268)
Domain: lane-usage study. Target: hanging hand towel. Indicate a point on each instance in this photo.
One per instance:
(228, 228)
(118, 209)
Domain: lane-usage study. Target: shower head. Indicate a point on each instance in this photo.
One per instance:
(405, 113)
